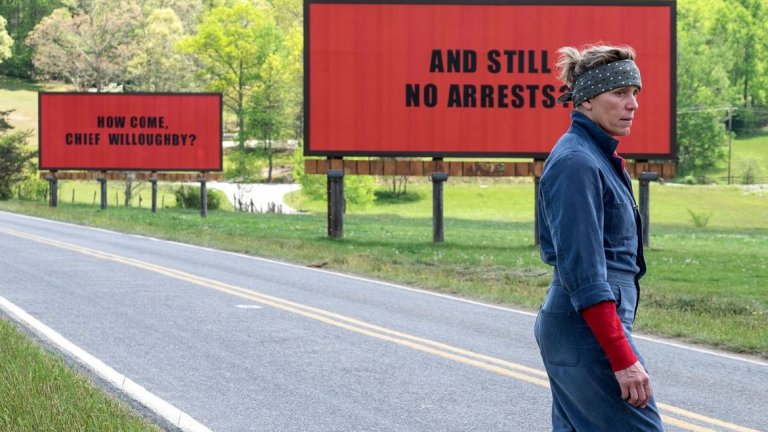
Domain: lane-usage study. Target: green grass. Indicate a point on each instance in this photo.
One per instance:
(477, 198)
(705, 284)
(749, 152)
(89, 192)
(38, 392)
(21, 96)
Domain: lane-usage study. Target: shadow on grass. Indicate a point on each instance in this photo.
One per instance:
(15, 84)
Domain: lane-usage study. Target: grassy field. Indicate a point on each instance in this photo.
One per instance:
(88, 192)
(21, 96)
(749, 156)
(39, 393)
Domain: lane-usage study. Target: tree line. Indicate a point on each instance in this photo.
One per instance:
(251, 52)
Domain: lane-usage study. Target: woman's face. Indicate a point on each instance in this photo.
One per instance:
(613, 110)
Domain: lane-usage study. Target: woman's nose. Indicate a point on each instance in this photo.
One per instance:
(633, 105)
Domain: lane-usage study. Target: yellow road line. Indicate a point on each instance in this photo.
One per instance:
(671, 421)
(488, 363)
(703, 418)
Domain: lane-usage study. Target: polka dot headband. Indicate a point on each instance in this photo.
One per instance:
(601, 79)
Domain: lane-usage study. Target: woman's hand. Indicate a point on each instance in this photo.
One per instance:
(635, 385)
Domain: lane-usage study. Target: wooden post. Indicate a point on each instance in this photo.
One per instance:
(336, 203)
(102, 179)
(438, 229)
(53, 184)
(203, 196)
(153, 181)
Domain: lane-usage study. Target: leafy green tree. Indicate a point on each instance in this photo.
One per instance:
(88, 44)
(740, 27)
(6, 43)
(265, 119)
(275, 107)
(22, 16)
(232, 43)
(289, 14)
(158, 66)
(273, 104)
(15, 156)
(188, 12)
(704, 91)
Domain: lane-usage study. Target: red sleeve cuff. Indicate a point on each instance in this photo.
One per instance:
(604, 322)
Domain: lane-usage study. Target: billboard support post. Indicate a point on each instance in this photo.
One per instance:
(153, 181)
(336, 204)
(53, 188)
(438, 232)
(103, 181)
(645, 212)
(203, 195)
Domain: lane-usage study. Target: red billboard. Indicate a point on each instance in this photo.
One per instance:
(130, 131)
(445, 79)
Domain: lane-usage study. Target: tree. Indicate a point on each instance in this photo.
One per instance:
(22, 16)
(15, 156)
(288, 14)
(273, 104)
(6, 43)
(233, 41)
(158, 66)
(289, 18)
(266, 120)
(88, 44)
(275, 107)
(740, 26)
(188, 11)
(704, 91)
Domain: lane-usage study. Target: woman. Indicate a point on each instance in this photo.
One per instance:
(589, 233)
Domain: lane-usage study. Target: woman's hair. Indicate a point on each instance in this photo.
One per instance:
(573, 63)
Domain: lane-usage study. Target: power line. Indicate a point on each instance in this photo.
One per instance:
(715, 109)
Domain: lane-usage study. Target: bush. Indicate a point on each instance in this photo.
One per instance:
(314, 187)
(33, 188)
(389, 197)
(244, 166)
(15, 157)
(700, 220)
(189, 197)
(358, 190)
(750, 171)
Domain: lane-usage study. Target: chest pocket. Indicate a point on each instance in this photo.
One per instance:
(620, 223)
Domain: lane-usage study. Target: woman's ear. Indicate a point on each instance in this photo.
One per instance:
(587, 105)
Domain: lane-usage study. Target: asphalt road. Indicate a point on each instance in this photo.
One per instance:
(243, 344)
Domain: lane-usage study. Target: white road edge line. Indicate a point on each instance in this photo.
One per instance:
(120, 381)
(392, 285)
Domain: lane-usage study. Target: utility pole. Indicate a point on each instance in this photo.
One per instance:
(730, 139)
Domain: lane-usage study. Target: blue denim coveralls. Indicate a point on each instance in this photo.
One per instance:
(589, 232)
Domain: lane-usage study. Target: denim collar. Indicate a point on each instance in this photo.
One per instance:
(584, 126)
